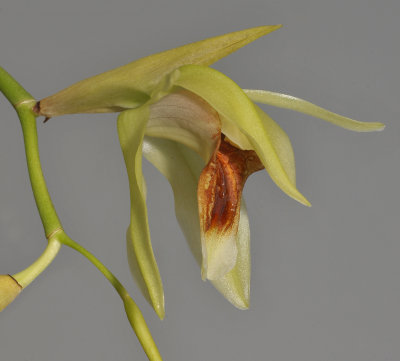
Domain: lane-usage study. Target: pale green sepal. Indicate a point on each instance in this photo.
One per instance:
(225, 96)
(134, 267)
(303, 106)
(235, 135)
(182, 168)
(131, 127)
(131, 85)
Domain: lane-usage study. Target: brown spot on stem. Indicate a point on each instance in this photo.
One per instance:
(36, 108)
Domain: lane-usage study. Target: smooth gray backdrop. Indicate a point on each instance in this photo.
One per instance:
(326, 280)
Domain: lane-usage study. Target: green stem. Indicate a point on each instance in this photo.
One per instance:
(45, 206)
(133, 312)
(25, 277)
(65, 239)
(23, 102)
(12, 90)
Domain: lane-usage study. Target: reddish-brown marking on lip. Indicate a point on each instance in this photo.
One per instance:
(220, 187)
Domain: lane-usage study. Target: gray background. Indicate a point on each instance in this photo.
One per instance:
(326, 280)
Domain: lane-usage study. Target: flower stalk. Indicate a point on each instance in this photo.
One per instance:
(11, 286)
(29, 274)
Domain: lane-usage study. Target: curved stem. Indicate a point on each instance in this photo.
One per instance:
(12, 90)
(133, 312)
(65, 239)
(25, 277)
(23, 102)
(45, 206)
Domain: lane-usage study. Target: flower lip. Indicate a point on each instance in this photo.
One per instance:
(232, 168)
(219, 196)
(184, 117)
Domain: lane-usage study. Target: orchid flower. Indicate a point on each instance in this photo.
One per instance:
(206, 135)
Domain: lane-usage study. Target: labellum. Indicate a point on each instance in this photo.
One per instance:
(219, 195)
(186, 118)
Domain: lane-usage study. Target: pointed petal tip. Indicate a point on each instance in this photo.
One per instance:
(275, 27)
(160, 313)
(266, 29)
(367, 127)
(244, 305)
(380, 127)
(235, 288)
(303, 200)
(299, 198)
(203, 274)
(158, 304)
(261, 30)
(159, 309)
(241, 302)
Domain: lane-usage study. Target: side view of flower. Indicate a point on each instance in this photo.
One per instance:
(206, 135)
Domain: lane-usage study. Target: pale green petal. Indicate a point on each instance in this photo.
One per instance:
(281, 144)
(131, 85)
(131, 127)
(229, 100)
(134, 267)
(182, 168)
(303, 106)
(188, 119)
(235, 134)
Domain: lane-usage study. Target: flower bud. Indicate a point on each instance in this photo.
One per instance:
(9, 289)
